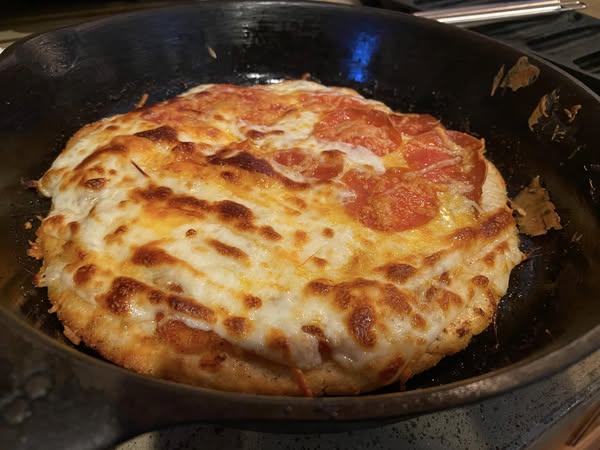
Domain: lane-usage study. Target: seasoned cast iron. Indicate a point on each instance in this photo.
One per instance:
(52, 84)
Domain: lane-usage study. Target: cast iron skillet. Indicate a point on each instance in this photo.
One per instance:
(51, 84)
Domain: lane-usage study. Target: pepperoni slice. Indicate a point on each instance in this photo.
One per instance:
(447, 157)
(429, 154)
(324, 166)
(330, 164)
(466, 141)
(390, 202)
(293, 157)
(327, 101)
(369, 128)
(414, 124)
(475, 169)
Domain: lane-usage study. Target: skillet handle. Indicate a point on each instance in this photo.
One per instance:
(46, 398)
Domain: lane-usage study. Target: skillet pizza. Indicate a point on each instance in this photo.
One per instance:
(289, 239)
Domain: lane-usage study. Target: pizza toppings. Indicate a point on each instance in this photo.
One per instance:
(390, 202)
(326, 165)
(304, 237)
(369, 128)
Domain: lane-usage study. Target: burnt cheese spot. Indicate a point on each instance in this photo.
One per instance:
(115, 234)
(244, 161)
(502, 247)
(74, 227)
(255, 134)
(319, 262)
(398, 273)
(343, 296)
(494, 225)
(327, 232)
(190, 233)
(492, 299)
(120, 229)
(164, 134)
(268, 232)
(154, 193)
(236, 325)
(155, 296)
(464, 235)
(174, 287)
(149, 256)
(431, 293)
(418, 321)
(191, 308)
(490, 258)
(396, 300)
(188, 203)
(350, 293)
(84, 274)
(229, 176)
(323, 343)
(433, 259)
(54, 221)
(252, 302)
(250, 163)
(361, 322)
(98, 169)
(445, 278)
(228, 250)
(95, 183)
(319, 287)
(298, 202)
(480, 280)
(231, 211)
(447, 299)
(463, 330)
(277, 340)
(184, 151)
(121, 293)
(391, 370)
(300, 237)
(313, 330)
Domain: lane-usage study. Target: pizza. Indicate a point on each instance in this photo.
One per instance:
(285, 239)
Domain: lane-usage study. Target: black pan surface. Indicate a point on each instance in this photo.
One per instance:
(52, 84)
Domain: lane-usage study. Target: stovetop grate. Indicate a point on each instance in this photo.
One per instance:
(570, 40)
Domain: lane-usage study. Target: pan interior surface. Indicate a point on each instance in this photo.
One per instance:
(52, 84)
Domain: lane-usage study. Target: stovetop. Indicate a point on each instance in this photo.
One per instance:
(540, 416)
(569, 40)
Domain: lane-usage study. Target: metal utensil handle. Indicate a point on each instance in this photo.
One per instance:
(469, 15)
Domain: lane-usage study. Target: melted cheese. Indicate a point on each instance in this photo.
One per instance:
(293, 236)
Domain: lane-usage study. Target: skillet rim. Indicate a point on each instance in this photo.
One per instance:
(374, 406)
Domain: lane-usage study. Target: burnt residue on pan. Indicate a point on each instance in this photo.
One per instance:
(521, 75)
